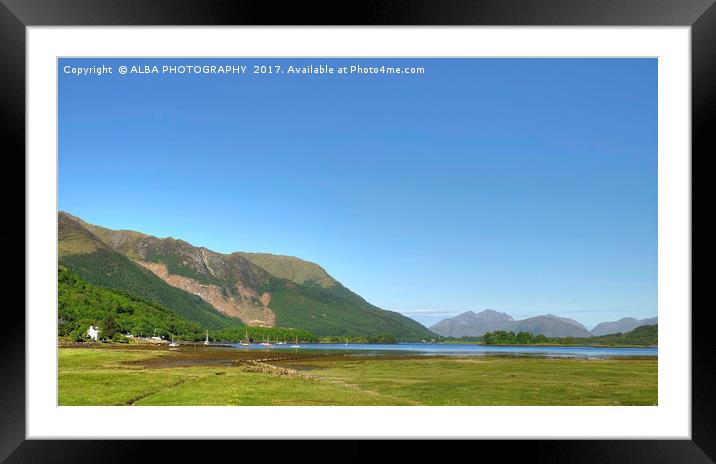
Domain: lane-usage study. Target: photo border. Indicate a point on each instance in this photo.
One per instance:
(16, 15)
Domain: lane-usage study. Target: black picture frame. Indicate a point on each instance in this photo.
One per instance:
(16, 15)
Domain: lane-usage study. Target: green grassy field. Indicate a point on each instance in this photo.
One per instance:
(501, 381)
(96, 377)
(100, 376)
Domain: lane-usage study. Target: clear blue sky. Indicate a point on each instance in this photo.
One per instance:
(527, 186)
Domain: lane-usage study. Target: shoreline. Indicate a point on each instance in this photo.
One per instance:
(70, 344)
(558, 345)
(311, 350)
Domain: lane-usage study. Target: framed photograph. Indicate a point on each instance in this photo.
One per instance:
(468, 221)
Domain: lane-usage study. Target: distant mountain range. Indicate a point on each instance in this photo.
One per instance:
(473, 324)
(624, 325)
(218, 290)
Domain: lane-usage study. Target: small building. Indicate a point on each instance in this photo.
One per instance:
(93, 333)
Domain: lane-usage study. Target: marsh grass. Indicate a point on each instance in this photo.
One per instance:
(503, 381)
(97, 376)
(115, 377)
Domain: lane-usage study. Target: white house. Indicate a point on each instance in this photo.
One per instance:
(93, 332)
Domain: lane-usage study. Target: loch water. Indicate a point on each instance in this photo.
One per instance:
(449, 349)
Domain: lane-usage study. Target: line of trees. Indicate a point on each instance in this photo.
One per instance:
(384, 338)
(641, 336)
(502, 337)
(261, 334)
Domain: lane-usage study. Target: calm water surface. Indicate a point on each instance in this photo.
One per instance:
(463, 350)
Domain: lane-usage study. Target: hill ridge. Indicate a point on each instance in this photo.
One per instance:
(298, 293)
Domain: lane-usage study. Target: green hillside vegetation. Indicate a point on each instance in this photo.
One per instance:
(76, 240)
(338, 312)
(646, 335)
(123, 241)
(109, 269)
(81, 304)
(641, 336)
(290, 268)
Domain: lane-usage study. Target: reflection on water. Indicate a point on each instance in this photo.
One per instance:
(460, 349)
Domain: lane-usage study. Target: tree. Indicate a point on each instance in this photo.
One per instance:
(109, 326)
(79, 334)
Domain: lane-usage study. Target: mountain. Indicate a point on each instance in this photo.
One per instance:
(255, 289)
(624, 325)
(645, 335)
(95, 262)
(472, 324)
(291, 268)
(475, 325)
(551, 326)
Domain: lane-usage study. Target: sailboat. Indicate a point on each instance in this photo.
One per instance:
(206, 342)
(247, 342)
(173, 344)
(296, 345)
(268, 342)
